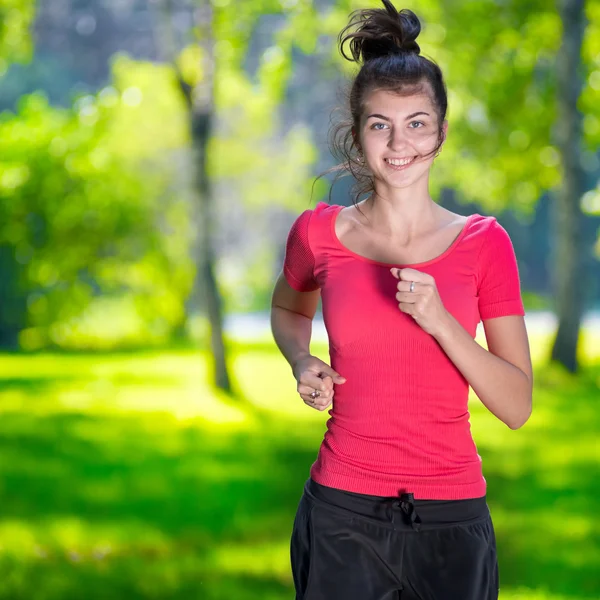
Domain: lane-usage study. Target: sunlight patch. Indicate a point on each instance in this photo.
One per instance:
(267, 558)
(526, 594)
(78, 539)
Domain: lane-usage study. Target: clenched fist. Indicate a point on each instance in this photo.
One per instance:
(312, 373)
(423, 304)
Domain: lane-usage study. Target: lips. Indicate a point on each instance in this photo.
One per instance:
(399, 163)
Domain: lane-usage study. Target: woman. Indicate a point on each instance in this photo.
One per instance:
(395, 505)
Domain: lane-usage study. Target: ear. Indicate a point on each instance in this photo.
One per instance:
(355, 137)
(444, 130)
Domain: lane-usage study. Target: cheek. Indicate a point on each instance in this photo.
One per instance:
(374, 141)
(426, 138)
(372, 148)
(426, 144)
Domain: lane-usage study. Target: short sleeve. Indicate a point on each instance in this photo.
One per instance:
(299, 261)
(499, 287)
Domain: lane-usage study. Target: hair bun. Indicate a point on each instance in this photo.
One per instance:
(377, 32)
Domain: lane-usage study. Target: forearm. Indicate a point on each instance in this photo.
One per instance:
(502, 387)
(292, 332)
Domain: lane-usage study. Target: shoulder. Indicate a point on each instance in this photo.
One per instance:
(486, 231)
(307, 227)
(482, 224)
(493, 248)
(320, 211)
(312, 223)
(484, 240)
(323, 210)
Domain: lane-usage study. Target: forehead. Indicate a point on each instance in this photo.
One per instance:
(386, 102)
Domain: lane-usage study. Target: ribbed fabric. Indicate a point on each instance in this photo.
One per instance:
(400, 422)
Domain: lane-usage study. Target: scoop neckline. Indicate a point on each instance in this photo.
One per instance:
(338, 209)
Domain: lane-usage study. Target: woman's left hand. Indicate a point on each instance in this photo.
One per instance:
(423, 304)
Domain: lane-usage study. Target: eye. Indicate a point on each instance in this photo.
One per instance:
(374, 126)
(412, 122)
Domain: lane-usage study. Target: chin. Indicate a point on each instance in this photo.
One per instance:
(402, 178)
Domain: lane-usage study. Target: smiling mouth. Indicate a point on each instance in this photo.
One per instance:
(399, 162)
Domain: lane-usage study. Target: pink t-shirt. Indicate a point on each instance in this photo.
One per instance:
(400, 422)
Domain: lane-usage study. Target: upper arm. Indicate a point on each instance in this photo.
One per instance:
(285, 296)
(507, 338)
(498, 283)
(296, 288)
(500, 303)
(299, 261)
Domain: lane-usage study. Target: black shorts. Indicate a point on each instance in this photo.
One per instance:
(348, 546)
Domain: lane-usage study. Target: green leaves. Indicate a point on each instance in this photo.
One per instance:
(90, 212)
(16, 17)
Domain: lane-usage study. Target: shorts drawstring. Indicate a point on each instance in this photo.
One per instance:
(406, 504)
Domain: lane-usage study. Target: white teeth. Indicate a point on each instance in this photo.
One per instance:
(399, 163)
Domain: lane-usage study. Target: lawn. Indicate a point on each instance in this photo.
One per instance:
(126, 476)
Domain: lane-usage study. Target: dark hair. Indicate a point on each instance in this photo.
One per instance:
(384, 40)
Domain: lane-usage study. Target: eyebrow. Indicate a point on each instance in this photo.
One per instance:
(378, 116)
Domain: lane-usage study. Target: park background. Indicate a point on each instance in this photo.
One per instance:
(153, 155)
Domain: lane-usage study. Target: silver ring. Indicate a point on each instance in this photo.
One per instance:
(315, 394)
(412, 286)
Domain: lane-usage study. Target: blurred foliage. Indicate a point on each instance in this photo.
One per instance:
(117, 480)
(534, 301)
(16, 17)
(87, 211)
(98, 225)
(98, 204)
(498, 60)
(126, 476)
(271, 159)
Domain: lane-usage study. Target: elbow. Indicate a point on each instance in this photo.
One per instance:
(514, 425)
(519, 420)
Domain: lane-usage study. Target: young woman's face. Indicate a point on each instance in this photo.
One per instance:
(396, 133)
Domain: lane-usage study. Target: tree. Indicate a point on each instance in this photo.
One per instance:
(90, 232)
(571, 247)
(15, 45)
(196, 85)
(198, 69)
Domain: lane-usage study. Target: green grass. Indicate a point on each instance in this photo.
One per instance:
(125, 476)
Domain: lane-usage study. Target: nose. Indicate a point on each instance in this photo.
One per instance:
(396, 140)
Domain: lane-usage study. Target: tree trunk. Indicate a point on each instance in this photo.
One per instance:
(200, 104)
(13, 301)
(569, 272)
(201, 121)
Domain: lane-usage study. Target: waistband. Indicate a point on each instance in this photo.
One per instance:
(400, 510)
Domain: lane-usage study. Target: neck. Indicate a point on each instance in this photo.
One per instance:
(403, 214)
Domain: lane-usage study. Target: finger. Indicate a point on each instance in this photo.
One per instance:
(408, 274)
(305, 390)
(334, 375)
(406, 308)
(407, 297)
(312, 380)
(320, 403)
(328, 381)
(404, 286)
(419, 287)
(324, 407)
(403, 274)
(325, 383)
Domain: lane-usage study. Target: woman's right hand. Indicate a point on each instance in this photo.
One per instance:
(312, 373)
